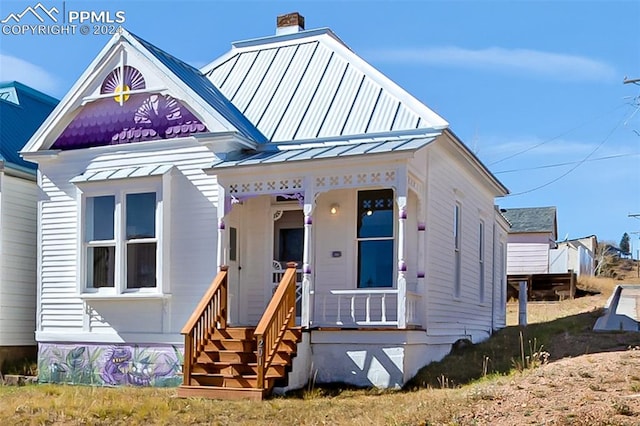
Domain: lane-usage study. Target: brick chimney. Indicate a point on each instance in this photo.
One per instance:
(290, 23)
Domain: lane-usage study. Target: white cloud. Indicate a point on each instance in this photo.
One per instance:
(12, 68)
(525, 61)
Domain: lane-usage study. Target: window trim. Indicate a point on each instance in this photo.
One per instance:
(457, 250)
(392, 237)
(481, 261)
(148, 184)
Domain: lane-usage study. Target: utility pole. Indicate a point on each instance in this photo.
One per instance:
(637, 255)
(630, 80)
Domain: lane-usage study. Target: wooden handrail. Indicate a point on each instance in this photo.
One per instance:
(277, 318)
(210, 313)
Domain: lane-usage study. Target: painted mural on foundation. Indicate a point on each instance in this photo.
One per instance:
(126, 112)
(113, 365)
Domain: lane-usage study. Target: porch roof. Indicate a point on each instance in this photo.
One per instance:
(325, 150)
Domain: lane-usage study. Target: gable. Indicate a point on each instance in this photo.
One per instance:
(135, 92)
(126, 118)
(310, 85)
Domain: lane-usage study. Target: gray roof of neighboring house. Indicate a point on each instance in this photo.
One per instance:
(310, 85)
(22, 111)
(532, 219)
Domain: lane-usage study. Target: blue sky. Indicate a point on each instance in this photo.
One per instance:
(534, 88)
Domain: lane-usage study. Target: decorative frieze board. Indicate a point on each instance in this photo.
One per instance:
(272, 185)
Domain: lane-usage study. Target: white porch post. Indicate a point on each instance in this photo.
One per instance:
(307, 285)
(222, 234)
(401, 199)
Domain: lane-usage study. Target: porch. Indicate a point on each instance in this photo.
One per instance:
(224, 361)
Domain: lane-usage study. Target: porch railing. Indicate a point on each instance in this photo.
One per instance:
(367, 307)
(276, 276)
(210, 313)
(277, 318)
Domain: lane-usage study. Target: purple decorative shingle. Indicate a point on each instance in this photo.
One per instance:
(142, 117)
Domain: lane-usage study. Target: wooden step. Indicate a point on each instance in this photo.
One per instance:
(227, 356)
(240, 333)
(215, 392)
(238, 369)
(233, 381)
(231, 345)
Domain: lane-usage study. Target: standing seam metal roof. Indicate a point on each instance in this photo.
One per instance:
(22, 111)
(193, 78)
(305, 88)
(334, 150)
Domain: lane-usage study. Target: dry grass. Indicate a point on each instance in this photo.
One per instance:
(49, 404)
(488, 389)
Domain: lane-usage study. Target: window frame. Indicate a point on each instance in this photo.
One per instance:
(392, 238)
(457, 249)
(119, 189)
(481, 261)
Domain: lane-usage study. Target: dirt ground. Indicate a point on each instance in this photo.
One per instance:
(591, 378)
(594, 389)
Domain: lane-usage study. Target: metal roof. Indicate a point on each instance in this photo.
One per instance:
(22, 111)
(122, 173)
(532, 219)
(313, 86)
(317, 151)
(194, 79)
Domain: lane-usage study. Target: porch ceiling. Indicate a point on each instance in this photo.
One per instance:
(325, 150)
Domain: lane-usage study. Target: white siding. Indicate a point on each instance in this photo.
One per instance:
(189, 245)
(18, 225)
(527, 258)
(450, 181)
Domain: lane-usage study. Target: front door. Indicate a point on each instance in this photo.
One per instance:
(288, 246)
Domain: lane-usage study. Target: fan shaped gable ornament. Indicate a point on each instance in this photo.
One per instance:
(121, 81)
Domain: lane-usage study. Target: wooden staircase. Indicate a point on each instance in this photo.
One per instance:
(224, 362)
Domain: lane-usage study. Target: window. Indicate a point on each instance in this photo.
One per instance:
(121, 242)
(375, 238)
(457, 261)
(481, 260)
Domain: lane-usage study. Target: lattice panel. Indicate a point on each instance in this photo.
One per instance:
(322, 183)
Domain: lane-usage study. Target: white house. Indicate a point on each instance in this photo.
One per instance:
(159, 178)
(534, 231)
(577, 255)
(22, 110)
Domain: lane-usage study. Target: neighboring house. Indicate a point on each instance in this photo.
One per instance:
(156, 177)
(577, 255)
(22, 111)
(534, 231)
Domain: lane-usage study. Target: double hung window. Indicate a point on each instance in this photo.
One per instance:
(120, 242)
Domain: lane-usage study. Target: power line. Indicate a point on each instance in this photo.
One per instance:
(548, 166)
(579, 163)
(558, 136)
